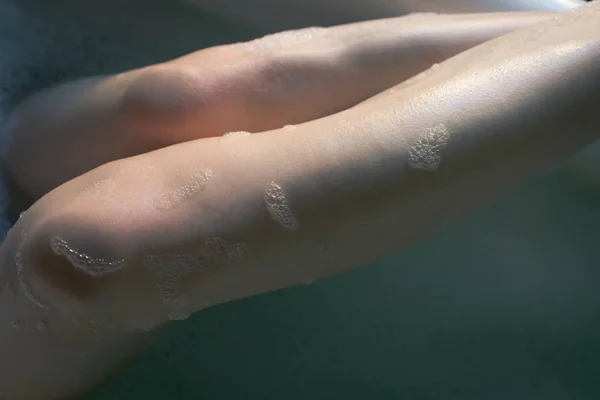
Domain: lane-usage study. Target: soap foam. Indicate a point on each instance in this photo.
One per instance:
(426, 153)
(237, 134)
(42, 326)
(95, 267)
(278, 207)
(277, 41)
(169, 269)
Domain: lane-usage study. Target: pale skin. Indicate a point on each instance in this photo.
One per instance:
(351, 179)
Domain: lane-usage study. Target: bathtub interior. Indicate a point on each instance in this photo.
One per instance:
(504, 304)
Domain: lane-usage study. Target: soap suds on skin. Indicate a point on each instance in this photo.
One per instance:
(95, 267)
(237, 133)
(197, 182)
(426, 153)
(277, 41)
(278, 207)
(22, 278)
(42, 326)
(169, 269)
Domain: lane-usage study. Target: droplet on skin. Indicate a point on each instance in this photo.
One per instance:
(238, 133)
(276, 41)
(22, 278)
(104, 189)
(196, 183)
(95, 267)
(278, 207)
(18, 323)
(426, 153)
(289, 127)
(42, 326)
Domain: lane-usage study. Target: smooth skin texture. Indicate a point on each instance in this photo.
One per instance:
(346, 178)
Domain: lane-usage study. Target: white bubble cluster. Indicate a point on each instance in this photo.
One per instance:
(196, 183)
(277, 41)
(426, 153)
(42, 326)
(93, 266)
(169, 269)
(18, 323)
(237, 134)
(278, 207)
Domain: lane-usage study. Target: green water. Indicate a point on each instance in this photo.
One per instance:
(503, 305)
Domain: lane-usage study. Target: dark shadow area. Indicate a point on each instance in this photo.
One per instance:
(504, 305)
(68, 39)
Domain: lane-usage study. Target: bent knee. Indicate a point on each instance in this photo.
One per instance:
(70, 261)
(175, 102)
(89, 257)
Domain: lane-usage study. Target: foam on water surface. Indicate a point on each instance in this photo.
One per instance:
(196, 183)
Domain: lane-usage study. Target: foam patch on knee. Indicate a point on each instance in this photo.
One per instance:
(92, 266)
(277, 41)
(278, 207)
(237, 134)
